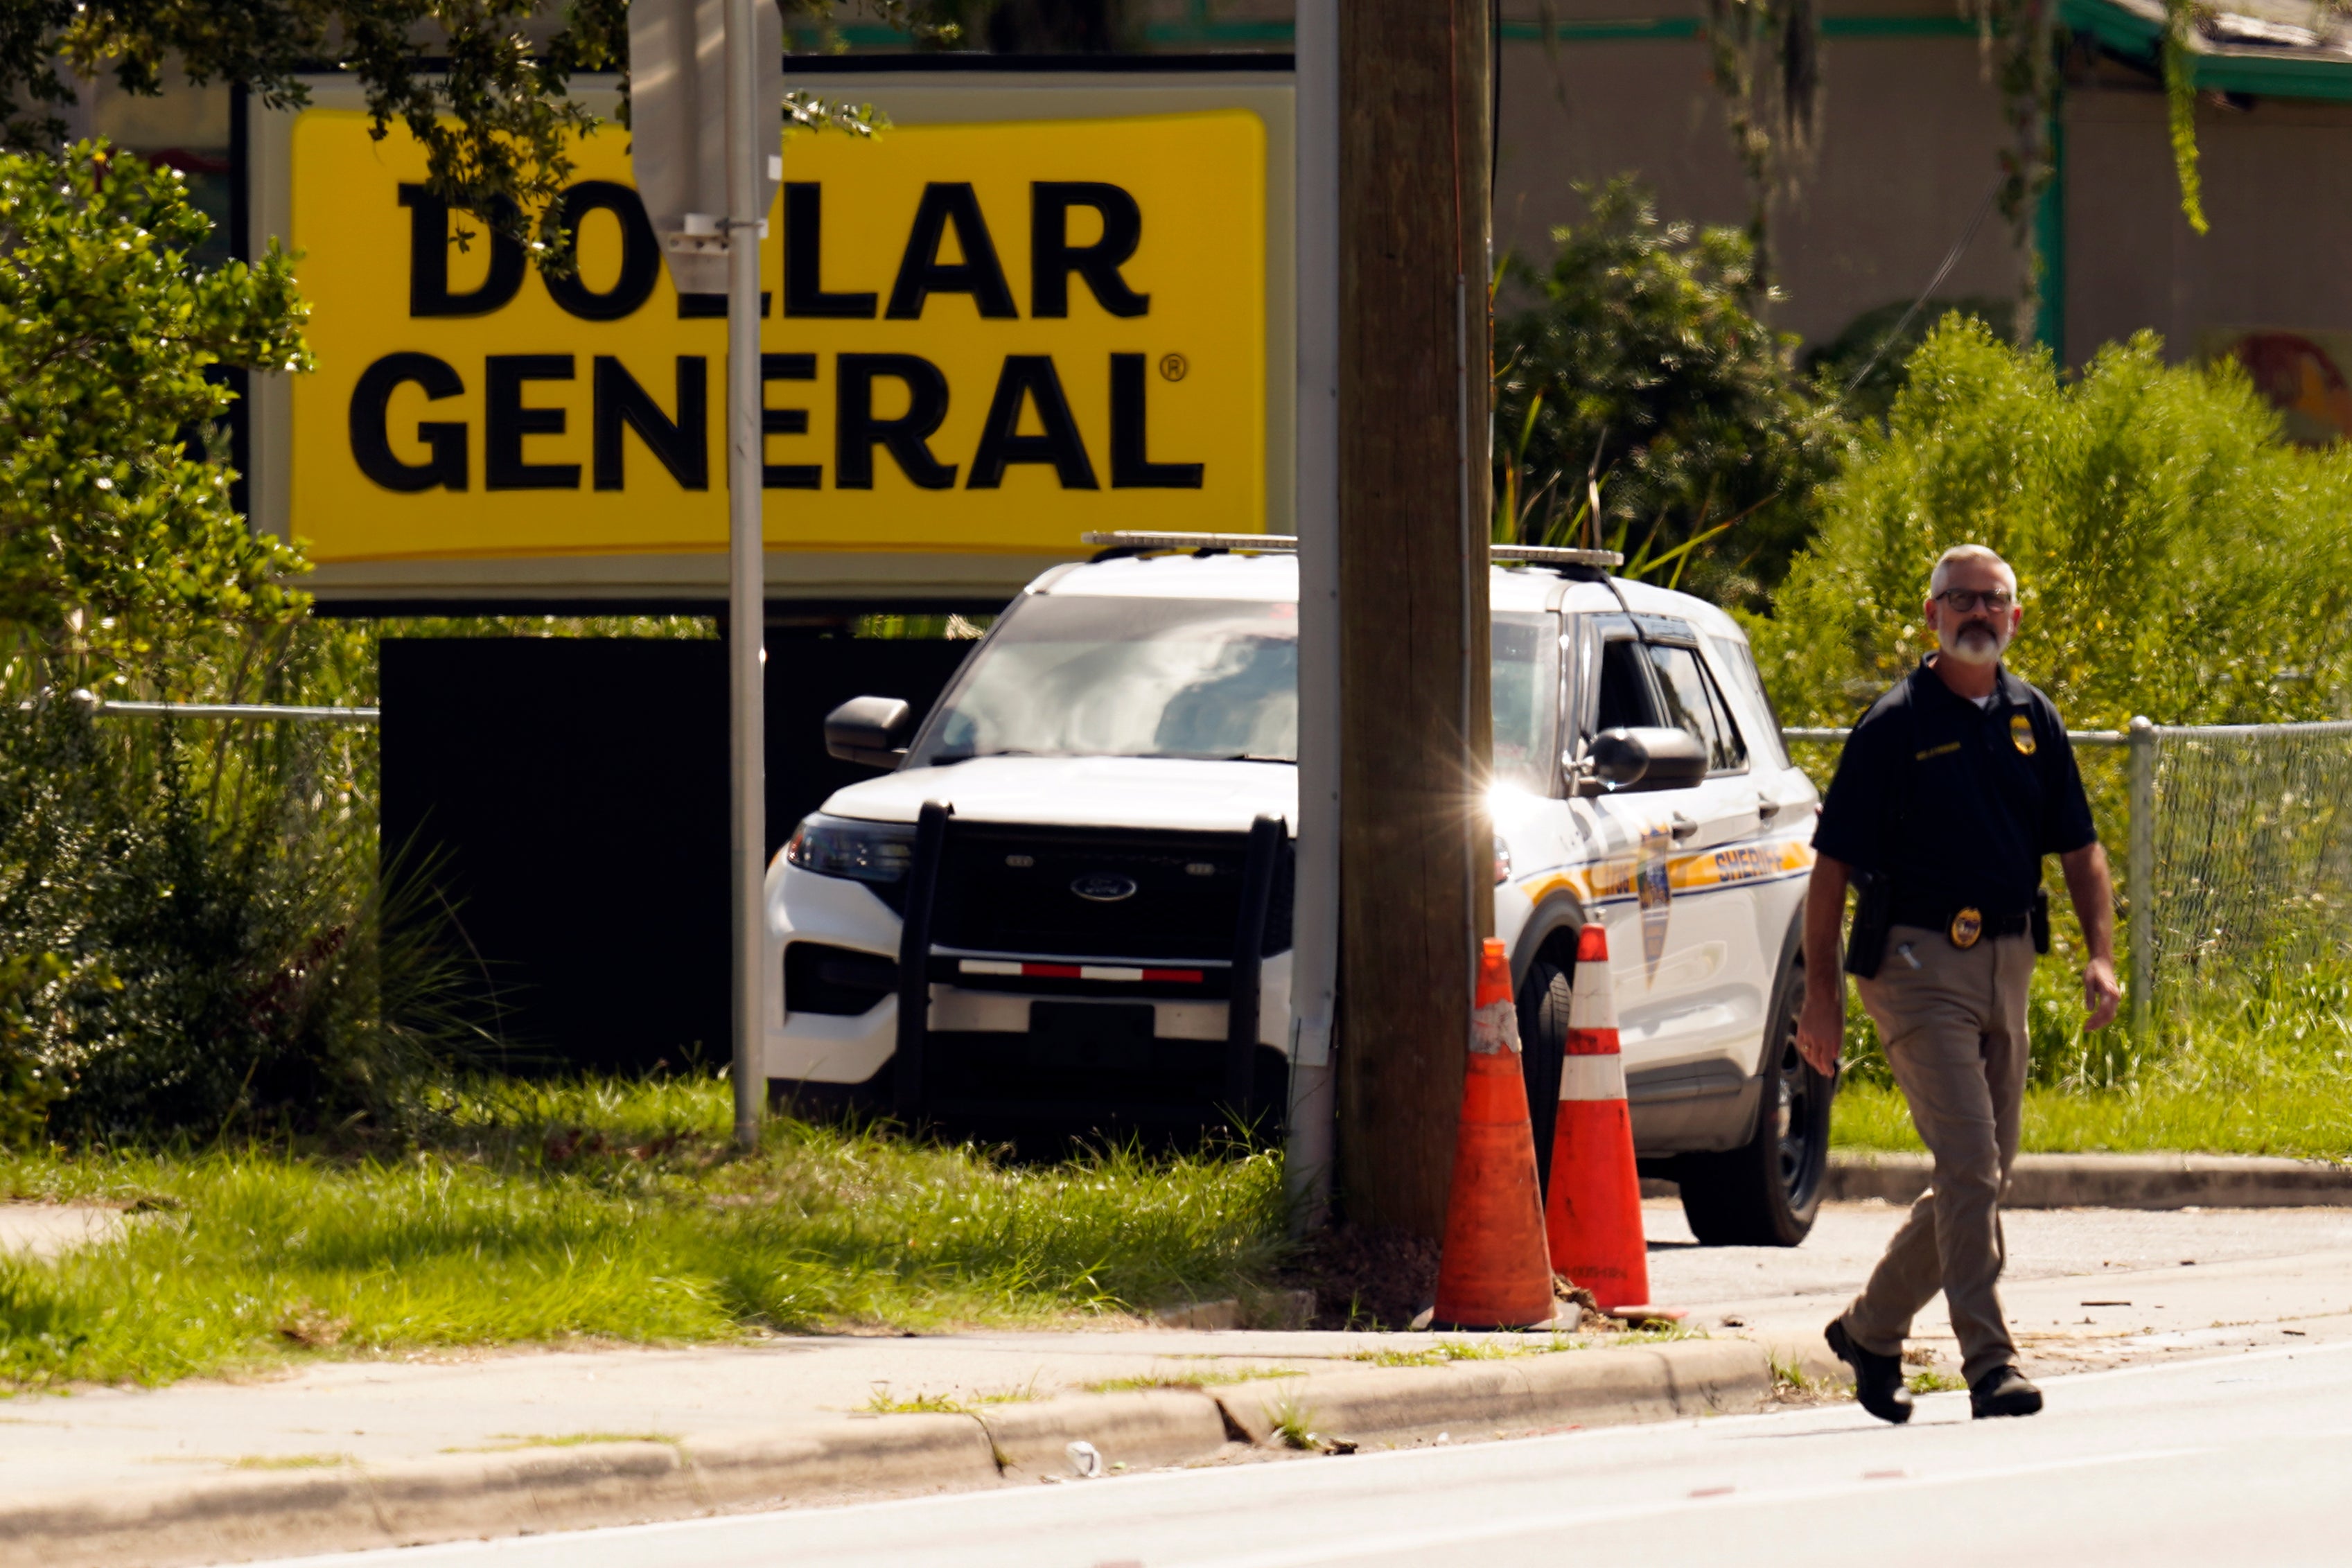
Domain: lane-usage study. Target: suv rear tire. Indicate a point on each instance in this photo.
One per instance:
(1767, 1192)
(1543, 1000)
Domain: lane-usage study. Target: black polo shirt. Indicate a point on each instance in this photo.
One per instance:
(1957, 804)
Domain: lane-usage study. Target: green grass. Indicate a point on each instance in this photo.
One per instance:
(1193, 1379)
(2256, 1059)
(1294, 1426)
(605, 1210)
(2311, 1122)
(881, 1402)
(1933, 1382)
(1446, 1351)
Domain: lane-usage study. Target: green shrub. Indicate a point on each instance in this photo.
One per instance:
(191, 915)
(2176, 557)
(1638, 358)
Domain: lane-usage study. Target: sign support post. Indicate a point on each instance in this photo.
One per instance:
(706, 148)
(747, 615)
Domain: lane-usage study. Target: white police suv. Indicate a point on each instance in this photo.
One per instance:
(1067, 905)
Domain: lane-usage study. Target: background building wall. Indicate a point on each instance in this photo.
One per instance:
(2278, 195)
(1905, 152)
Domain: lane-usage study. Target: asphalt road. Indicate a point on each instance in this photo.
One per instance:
(2236, 1458)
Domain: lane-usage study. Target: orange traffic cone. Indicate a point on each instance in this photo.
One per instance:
(1493, 1272)
(1593, 1218)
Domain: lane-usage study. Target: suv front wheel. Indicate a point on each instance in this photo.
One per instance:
(1767, 1192)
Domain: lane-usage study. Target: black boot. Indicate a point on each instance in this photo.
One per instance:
(2004, 1391)
(1878, 1379)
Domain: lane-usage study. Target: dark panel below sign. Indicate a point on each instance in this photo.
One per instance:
(567, 796)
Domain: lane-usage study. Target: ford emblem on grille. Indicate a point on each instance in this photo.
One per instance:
(1104, 887)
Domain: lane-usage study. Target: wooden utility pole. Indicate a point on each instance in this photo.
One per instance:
(1417, 850)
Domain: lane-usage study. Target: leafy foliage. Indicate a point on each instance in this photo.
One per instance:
(196, 908)
(192, 927)
(1864, 364)
(2180, 17)
(1765, 58)
(483, 85)
(1045, 26)
(2021, 37)
(1642, 384)
(106, 337)
(2176, 556)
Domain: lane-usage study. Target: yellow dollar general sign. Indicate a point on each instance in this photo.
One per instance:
(978, 337)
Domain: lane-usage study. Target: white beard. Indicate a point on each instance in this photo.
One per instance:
(1985, 646)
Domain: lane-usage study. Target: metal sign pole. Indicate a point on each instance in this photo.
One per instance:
(747, 653)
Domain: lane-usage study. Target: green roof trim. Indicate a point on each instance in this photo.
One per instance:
(2114, 27)
(2261, 74)
(2286, 76)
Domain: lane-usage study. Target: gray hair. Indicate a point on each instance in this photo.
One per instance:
(1967, 552)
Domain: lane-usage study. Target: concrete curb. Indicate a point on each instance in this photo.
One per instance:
(2114, 1181)
(241, 1516)
(1510, 1397)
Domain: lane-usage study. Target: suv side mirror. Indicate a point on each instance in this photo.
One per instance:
(869, 730)
(1648, 759)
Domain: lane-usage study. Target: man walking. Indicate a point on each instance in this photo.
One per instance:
(1950, 790)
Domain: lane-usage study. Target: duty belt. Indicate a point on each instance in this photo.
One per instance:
(1965, 924)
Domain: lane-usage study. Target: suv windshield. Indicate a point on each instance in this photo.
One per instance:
(1527, 698)
(1080, 675)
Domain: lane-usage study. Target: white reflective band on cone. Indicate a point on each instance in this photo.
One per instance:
(1592, 1077)
(1593, 1005)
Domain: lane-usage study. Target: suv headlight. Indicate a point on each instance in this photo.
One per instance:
(862, 851)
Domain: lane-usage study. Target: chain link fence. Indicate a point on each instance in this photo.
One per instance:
(2239, 839)
(2238, 856)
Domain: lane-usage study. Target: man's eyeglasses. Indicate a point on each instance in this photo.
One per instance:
(1962, 601)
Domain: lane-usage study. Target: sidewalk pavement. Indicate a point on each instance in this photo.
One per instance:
(2083, 1289)
(358, 1453)
(46, 1230)
(368, 1453)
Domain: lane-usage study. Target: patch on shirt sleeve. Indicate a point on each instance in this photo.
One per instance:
(2021, 734)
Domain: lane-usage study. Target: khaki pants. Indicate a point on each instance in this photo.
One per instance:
(1955, 1035)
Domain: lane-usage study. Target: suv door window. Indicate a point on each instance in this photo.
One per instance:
(1735, 656)
(1625, 702)
(1694, 704)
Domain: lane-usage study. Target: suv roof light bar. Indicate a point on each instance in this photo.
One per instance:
(1287, 544)
(1265, 544)
(1555, 555)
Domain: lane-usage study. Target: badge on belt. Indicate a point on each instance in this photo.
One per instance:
(1966, 927)
(2021, 734)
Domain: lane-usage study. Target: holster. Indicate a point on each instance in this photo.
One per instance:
(1874, 894)
(2040, 917)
